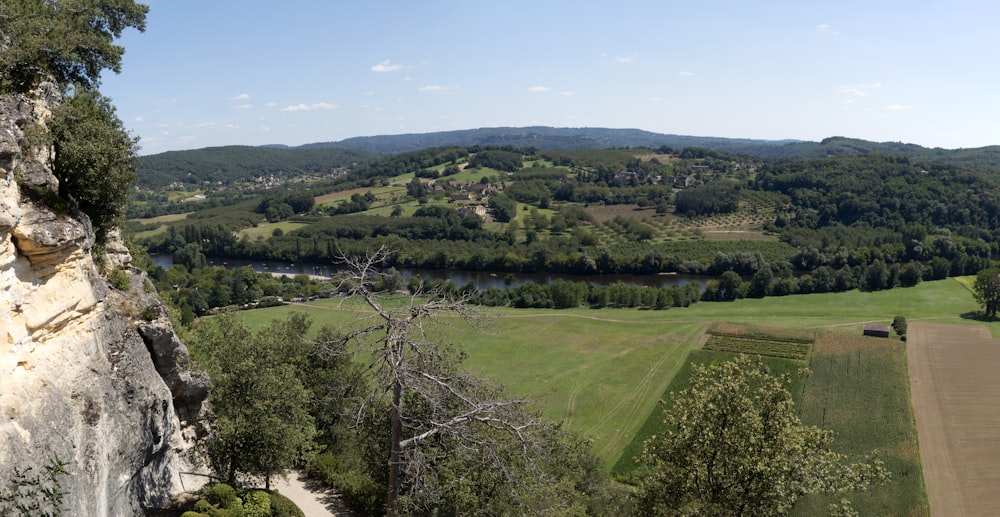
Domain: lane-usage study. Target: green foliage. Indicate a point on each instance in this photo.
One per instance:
(256, 503)
(222, 495)
(70, 40)
(30, 493)
(119, 279)
(234, 164)
(359, 491)
(94, 158)
(261, 405)
(739, 448)
(899, 325)
(281, 506)
(987, 290)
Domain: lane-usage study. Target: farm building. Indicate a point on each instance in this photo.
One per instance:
(874, 330)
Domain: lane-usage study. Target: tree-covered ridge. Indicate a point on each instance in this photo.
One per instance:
(237, 163)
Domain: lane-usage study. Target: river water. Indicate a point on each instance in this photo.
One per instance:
(480, 279)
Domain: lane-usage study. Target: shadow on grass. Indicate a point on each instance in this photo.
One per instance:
(978, 316)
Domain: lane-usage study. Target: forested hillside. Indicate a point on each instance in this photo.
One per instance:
(242, 163)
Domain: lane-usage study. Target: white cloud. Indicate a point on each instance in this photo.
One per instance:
(386, 66)
(264, 129)
(567, 94)
(858, 90)
(242, 106)
(898, 107)
(270, 104)
(139, 120)
(685, 73)
(240, 97)
(437, 88)
(539, 89)
(311, 107)
(232, 126)
(625, 59)
(200, 125)
(825, 29)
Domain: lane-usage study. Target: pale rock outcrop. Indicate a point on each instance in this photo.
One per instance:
(83, 375)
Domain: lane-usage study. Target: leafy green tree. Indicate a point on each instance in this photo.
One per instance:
(71, 41)
(987, 290)
(262, 424)
(94, 157)
(738, 448)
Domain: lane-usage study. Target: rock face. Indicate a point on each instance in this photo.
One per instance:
(88, 373)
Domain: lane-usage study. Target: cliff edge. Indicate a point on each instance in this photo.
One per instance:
(90, 374)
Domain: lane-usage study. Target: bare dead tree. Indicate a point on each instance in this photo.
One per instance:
(429, 399)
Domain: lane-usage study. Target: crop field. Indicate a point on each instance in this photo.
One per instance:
(859, 389)
(265, 230)
(757, 346)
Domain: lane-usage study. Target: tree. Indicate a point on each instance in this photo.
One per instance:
(71, 41)
(435, 410)
(738, 448)
(987, 290)
(262, 424)
(94, 157)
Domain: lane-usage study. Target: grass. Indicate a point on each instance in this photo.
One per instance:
(603, 372)
(266, 230)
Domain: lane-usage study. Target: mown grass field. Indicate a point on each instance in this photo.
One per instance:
(603, 372)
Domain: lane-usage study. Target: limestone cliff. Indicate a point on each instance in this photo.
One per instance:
(87, 372)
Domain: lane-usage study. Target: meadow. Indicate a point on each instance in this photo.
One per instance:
(603, 373)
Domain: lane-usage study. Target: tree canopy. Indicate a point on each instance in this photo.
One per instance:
(94, 157)
(987, 290)
(738, 448)
(71, 41)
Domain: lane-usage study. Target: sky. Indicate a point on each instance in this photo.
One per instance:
(249, 72)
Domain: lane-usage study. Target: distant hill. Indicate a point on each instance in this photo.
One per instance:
(230, 163)
(241, 162)
(542, 137)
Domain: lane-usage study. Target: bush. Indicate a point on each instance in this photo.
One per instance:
(359, 491)
(282, 506)
(256, 504)
(222, 495)
(193, 514)
(899, 325)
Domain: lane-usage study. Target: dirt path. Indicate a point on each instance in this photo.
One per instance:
(955, 385)
(311, 498)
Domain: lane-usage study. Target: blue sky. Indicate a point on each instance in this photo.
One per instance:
(220, 72)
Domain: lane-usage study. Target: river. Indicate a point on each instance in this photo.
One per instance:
(480, 279)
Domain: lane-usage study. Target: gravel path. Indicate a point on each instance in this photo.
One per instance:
(313, 499)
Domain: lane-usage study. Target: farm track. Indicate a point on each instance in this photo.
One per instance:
(954, 386)
(639, 392)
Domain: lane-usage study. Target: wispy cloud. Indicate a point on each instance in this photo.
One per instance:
(625, 59)
(437, 88)
(826, 29)
(685, 73)
(386, 66)
(311, 107)
(139, 120)
(242, 106)
(539, 89)
(567, 94)
(240, 97)
(858, 90)
(898, 107)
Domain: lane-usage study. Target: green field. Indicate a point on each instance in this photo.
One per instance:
(265, 230)
(603, 372)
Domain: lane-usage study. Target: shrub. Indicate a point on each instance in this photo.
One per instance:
(193, 514)
(203, 506)
(256, 504)
(899, 325)
(282, 506)
(222, 495)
